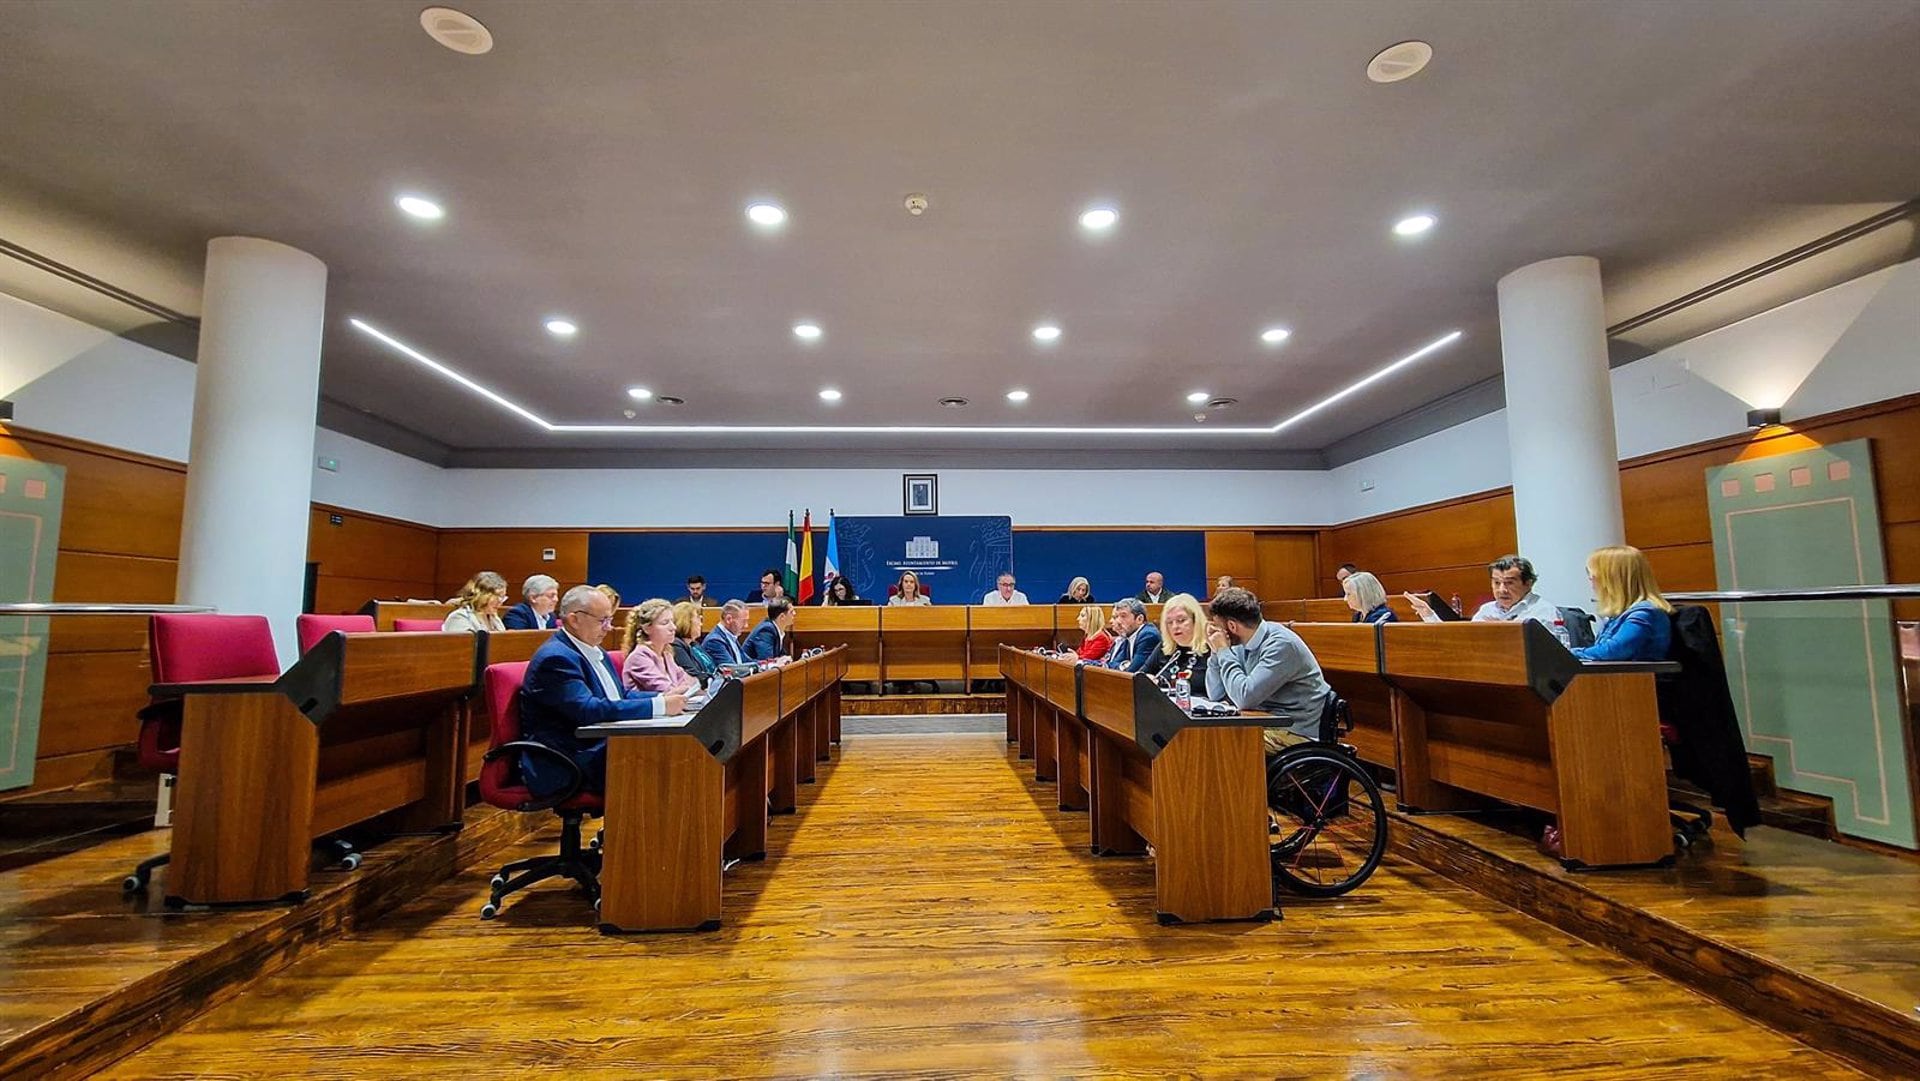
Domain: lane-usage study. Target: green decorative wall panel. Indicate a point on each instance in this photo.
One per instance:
(30, 495)
(1816, 682)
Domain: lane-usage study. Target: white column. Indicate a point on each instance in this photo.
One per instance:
(243, 542)
(1566, 461)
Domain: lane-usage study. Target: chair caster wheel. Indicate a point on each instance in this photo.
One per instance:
(595, 844)
(133, 884)
(596, 906)
(350, 861)
(497, 882)
(489, 910)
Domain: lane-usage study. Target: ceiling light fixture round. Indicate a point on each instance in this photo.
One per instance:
(1099, 219)
(1275, 335)
(1198, 396)
(562, 328)
(1401, 61)
(1414, 224)
(640, 394)
(1017, 396)
(809, 332)
(829, 394)
(1046, 332)
(954, 402)
(420, 207)
(766, 214)
(457, 30)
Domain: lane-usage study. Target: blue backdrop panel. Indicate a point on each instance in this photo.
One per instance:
(1114, 563)
(957, 557)
(642, 565)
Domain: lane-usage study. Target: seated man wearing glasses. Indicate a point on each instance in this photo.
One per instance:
(570, 683)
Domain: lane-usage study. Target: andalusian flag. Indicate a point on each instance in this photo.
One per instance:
(791, 579)
(806, 558)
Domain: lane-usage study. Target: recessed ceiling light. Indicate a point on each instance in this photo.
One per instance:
(829, 394)
(457, 30)
(1099, 218)
(422, 208)
(1046, 332)
(768, 214)
(807, 331)
(1401, 61)
(1017, 396)
(640, 394)
(1198, 396)
(1275, 335)
(1413, 224)
(562, 328)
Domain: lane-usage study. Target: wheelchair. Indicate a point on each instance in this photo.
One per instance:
(1329, 820)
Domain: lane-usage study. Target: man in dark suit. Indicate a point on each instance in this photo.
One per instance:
(1156, 591)
(697, 593)
(536, 613)
(571, 683)
(770, 587)
(722, 643)
(768, 642)
(1136, 641)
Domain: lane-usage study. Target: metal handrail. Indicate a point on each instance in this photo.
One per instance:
(68, 608)
(1817, 593)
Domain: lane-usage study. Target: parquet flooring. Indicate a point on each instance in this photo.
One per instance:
(929, 913)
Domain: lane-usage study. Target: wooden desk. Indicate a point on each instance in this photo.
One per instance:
(989, 628)
(1195, 790)
(506, 647)
(385, 612)
(1503, 710)
(927, 643)
(682, 798)
(363, 725)
(1349, 656)
(855, 626)
(710, 617)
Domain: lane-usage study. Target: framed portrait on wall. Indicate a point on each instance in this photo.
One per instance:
(919, 493)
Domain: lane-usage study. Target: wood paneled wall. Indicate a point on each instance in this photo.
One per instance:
(120, 541)
(1445, 546)
(514, 553)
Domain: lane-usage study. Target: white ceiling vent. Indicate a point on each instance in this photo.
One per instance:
(1397, 62)
(457, 30)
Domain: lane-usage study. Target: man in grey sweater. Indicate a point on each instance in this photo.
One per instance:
(1260, 665)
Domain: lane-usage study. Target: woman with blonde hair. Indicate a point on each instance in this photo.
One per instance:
(1368, 598)
(479, 603)
(1079, 591)
(1183, 641)
(1093, 625)
(686, 642)
(1638, 624)
(650, 665)
(908, 591)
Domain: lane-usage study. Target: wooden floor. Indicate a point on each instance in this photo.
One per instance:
(929, 913)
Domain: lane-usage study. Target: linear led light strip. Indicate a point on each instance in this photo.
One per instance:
(509, 404)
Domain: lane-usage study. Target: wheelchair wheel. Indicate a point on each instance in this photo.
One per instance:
(1332, 823)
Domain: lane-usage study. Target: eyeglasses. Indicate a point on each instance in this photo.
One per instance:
(605, 621)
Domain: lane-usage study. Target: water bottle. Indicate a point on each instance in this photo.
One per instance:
(1183, 690)
(1455, 602)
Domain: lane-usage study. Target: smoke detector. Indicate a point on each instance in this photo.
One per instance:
(457, 30)
(916, 204)
(1397, 62)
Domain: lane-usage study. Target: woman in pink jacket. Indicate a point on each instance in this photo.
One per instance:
(650, 665)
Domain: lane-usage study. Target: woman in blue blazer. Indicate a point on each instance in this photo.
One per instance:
(1638, 620)
(1368, 599)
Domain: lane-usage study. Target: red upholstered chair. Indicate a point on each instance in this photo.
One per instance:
(311, 628)
(188, 648)
(501, 785)
(418, 624)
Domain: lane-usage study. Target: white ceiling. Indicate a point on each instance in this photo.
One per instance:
(597, 164)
